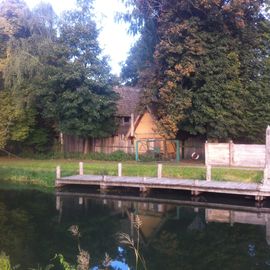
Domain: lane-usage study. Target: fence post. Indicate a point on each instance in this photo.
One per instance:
(81, 168)
(208, 173)
(120, 169)
(266, 177)
(137, 150)
(58, 172)
(206, 153)
(159, 172)
(231, 153)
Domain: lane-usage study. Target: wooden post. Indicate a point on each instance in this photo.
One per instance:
(159, 172)
(119, 204)
(132, 125)
(80, 200)
(267, 158)
(231, 153)
(208, 173)
(58, 203)
(58, 172)
(103, 186)
(144, 189)
(81, 168)
(206, 153)
(120, 169)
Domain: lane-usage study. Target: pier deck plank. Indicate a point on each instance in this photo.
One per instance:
(252, 189)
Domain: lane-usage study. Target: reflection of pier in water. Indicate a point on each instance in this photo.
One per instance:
(154, 212)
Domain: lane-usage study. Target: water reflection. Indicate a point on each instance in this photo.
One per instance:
(154, 212)
(242, 217)
(183, 233)
(178, 232)
(119, 263)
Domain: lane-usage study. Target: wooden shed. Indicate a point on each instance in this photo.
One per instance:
(134, 124)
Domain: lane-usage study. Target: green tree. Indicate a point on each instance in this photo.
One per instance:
(14, 15)
(58, 72)
(16, 118)
(16, 122)
(80, 94)
(209, 68)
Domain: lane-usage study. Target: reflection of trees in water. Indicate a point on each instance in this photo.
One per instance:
(15, 232)
(30, 233)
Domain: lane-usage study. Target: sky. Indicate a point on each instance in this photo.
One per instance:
(113, 38)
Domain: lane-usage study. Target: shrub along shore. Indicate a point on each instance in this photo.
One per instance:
(41, 173)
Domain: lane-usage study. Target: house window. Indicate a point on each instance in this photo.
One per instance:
(126, 120)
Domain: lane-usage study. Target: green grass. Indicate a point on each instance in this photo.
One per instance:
(42, 172)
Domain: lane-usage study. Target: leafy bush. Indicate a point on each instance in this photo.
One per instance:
(114, 156)
(147, 158)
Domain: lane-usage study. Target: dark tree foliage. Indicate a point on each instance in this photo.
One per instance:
(210, 70)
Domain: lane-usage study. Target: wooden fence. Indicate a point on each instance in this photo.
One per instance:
(112, 144)
(230, 154)
(240, 155)
(107, 145)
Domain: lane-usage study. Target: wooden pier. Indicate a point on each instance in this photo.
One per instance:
(260, 191)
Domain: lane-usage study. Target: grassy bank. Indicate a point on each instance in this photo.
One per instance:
(42, 172)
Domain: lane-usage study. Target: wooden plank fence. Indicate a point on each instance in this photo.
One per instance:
(106, 145)
(240, 155)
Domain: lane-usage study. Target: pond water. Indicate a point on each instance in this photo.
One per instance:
(176, 233)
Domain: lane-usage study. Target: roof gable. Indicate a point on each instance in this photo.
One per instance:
(129, 100)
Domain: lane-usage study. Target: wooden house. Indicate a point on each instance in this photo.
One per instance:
(136, 128)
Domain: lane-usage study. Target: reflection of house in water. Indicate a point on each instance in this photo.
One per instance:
(231, 216)
(152, 215)
(154, 212)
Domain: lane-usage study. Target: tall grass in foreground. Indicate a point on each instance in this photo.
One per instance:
(4, 262)
(83, 257)
(125, 239)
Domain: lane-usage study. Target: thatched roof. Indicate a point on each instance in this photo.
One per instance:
(129, 100)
